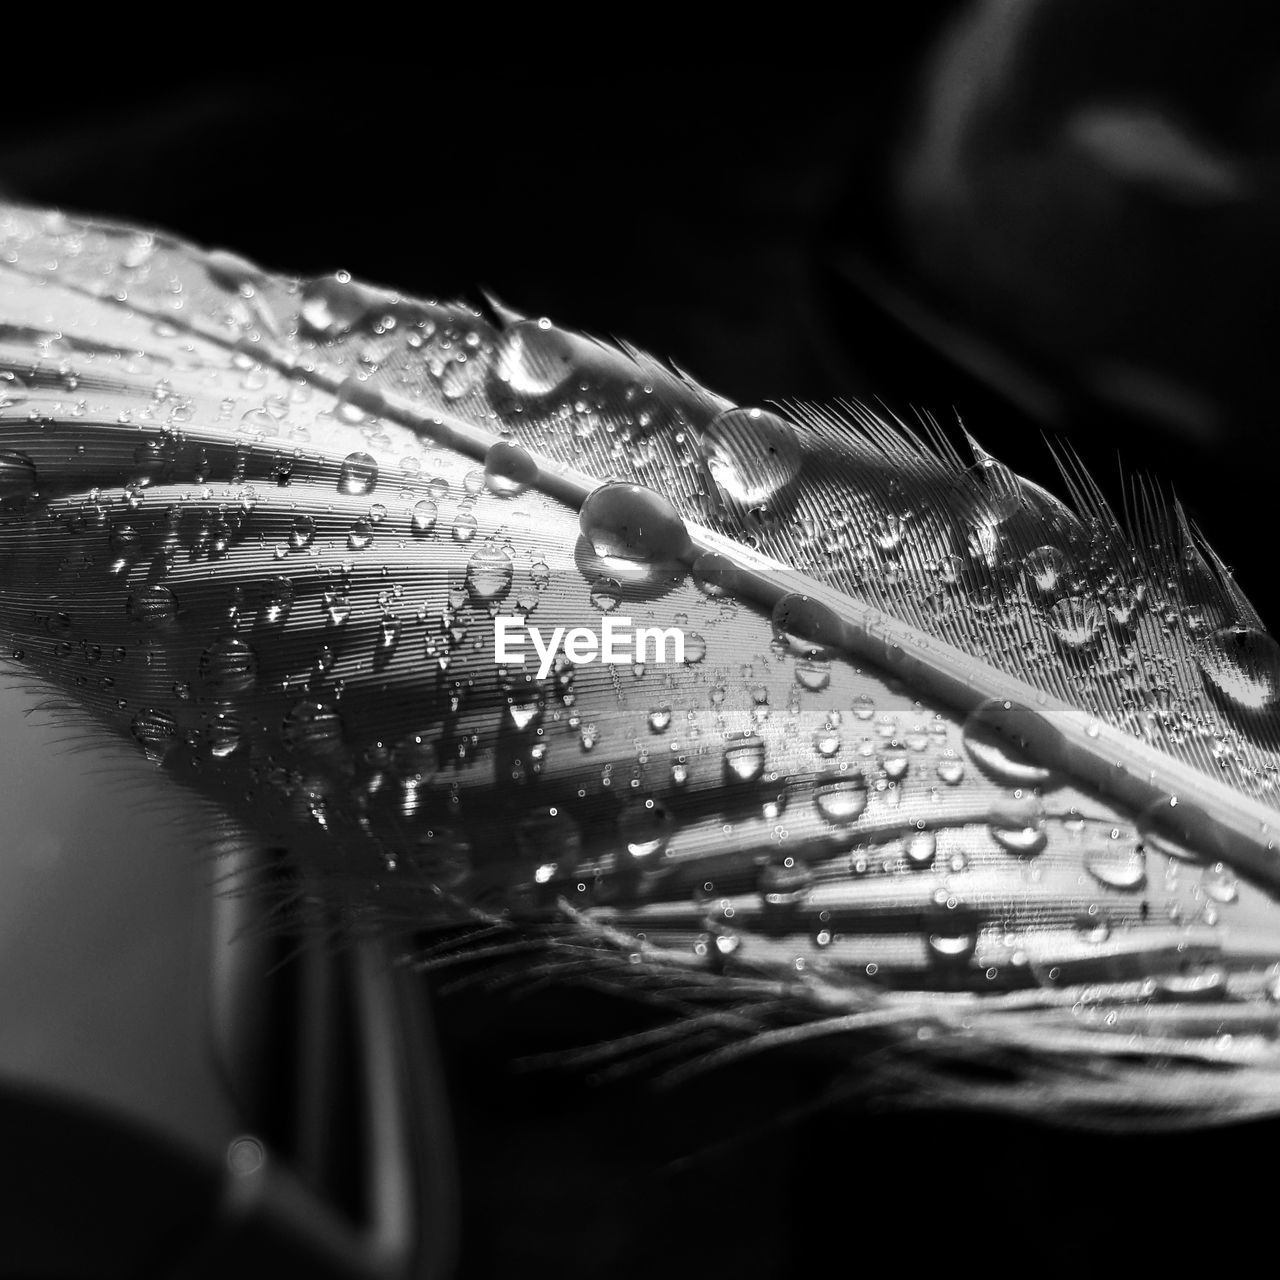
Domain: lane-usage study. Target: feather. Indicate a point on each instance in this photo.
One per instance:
(950, 767)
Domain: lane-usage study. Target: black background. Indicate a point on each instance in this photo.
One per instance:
(699, 214)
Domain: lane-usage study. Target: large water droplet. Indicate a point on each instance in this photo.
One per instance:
(751, 454)
(358, 474)
(807, 626)
(508, 469)
(1004, 738)
(1243, 665)
(842, 801)
(533, 358)
(921, 848)
(489, 573)
(228, 666)
(1116, 864)
(634, 523)
(951, 934)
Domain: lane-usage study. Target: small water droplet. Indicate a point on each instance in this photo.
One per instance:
(1219, 883)
(358, 474)
(313, 728)
(489, 573)
(695, 648)
(1075, 622)
(303, 532)
(606, 595)
(423, 518)
(360, 535)
(715, 575)
(921, 848)
(155, 731)
(744, 758)
(533, 358)
(228, 666)
(950, 767)
(152, 604)
(464, 526)
(1047, 569)
(813, 674)
(751, 454)
(660, 719)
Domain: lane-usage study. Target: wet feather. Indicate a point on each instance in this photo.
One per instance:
(953, 771)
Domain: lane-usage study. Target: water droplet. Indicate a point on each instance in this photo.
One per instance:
(17, 477)
(634, 523)
(313, 728)
(1219, 883)
(509, 469)
(277, 601)
(1117, 865)
(1017, 825)
(606, 595)
(1047, 569)
(152, 604)
(950, 767)
(783, 884)
(660, 719)
(921, 848)
(358, 474)
(460, 376)
(360, 535)
(228, 666)
(12, 389)
(533, 358)
(715, 575)
(303, 532)
(894, 759)
(423, 518)
(695, 648)
(808, 627)
(645, 827)
(1093, 925)
(751, 454)
(336, 605)
(841, 802)
(489, 573)
(813, 674)
(1075, 622)
(1001, 737)
(952, 935)
(224, 735)
(333, 304)
(826, 742)
(155, 731)
(464, 526)
(1242, 664)
(744, 758)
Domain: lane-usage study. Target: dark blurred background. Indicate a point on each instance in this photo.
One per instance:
(1050, 217)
